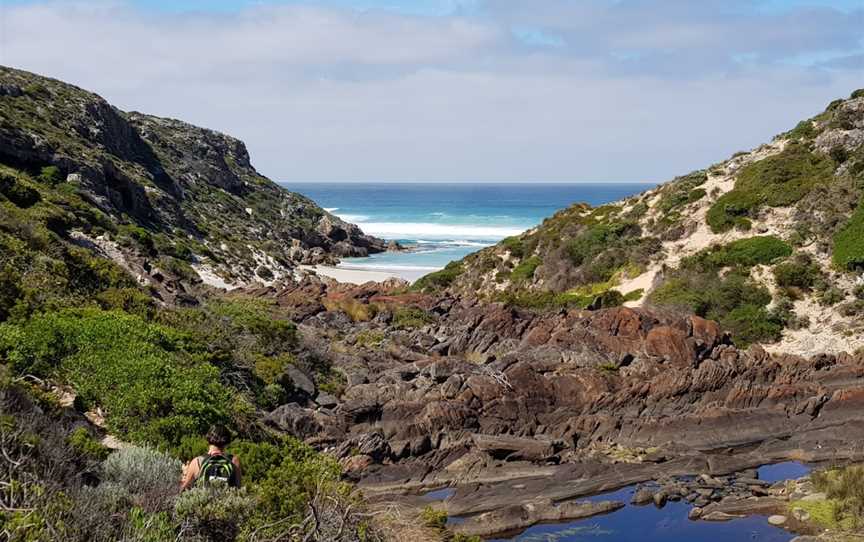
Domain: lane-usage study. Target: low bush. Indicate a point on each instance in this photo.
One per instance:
(18, 191)
(411, 318)
(831, 296)
(439, 280)
(801, 272)
(214, 514)
(844, 492)
(752, 323)
(745, 253)
(85, 444)
(777, 181)
(733, 299)
(141, 470)
(524, 272)
(515, 246)
(848, 251)
(50, 175)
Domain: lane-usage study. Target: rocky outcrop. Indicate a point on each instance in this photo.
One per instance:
(193, 191)
(569, 403)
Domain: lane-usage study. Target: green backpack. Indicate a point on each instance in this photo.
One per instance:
(217, 469)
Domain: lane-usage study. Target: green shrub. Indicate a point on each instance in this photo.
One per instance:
(411, 318)
(798, 273)
(848, 253)
(18, 191)
(804, 130)
(831, 296)
(287, 485)
(130, 235)
(515, 246)
(525, 270)
(777, 181)
(270, 369)
(680, 192)
(213, 513)
(434, 519)
(439, 280)
(83, 442)
(844, 491)
(734, 300)
(743, 253)
(152, 389)
(50, 175)
(128, 300)
(752, 323)
(858, 292)
(595, 240)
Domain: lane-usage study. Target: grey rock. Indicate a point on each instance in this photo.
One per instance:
(300, 381)
(326, 400)
(642, 496)
(294, 420)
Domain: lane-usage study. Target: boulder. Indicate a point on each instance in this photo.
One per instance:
(300, 381)
(294, 420)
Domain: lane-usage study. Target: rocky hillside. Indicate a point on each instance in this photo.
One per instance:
(769, 242)
(163, 198)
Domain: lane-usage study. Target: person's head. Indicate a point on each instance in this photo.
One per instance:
(218, 436)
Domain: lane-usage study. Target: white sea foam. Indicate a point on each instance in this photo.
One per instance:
(355, 219)
(331, 209)
(454, 243)
(387, 267)
(414, 230)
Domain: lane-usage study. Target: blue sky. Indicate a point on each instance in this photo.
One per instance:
(451, 90)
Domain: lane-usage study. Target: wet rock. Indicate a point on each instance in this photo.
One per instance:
(777, 520)
(522, 516)
(720, 516)
(642, 496)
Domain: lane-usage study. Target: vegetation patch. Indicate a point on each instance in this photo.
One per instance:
(739, 304)
(744, 253)
(777, 181)
(848, 253)
(411, 318)
(152, 385)
(524, 272)
(439, 280)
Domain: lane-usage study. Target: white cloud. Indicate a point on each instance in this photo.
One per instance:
(337, 94)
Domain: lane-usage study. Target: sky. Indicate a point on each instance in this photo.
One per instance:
(457, 90)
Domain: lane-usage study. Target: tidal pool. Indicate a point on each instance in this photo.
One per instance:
(667, 524)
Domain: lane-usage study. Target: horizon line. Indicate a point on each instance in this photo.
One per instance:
(461, 182)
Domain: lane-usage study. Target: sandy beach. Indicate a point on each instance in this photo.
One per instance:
(351, 276)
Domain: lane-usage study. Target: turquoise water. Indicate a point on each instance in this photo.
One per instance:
(446, 221)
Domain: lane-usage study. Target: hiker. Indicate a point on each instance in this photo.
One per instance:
(217, 467)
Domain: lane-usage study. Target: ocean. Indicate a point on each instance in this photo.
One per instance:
(446, 221)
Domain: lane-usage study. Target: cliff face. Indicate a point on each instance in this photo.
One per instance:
(769, 242)
(165, 188)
